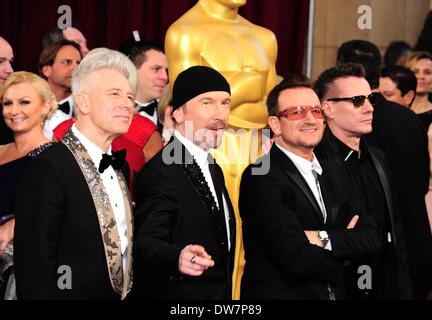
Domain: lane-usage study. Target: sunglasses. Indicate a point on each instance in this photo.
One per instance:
(300, 112)
(358, 101)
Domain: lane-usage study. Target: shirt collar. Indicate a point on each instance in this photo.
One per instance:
(93, 150)
(68, 99)
(145, 104)
(302, 164)
(199, 154)
(347, 153)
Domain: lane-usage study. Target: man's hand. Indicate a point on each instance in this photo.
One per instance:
(194, 260)
(353, 222)
(6, 234)
(351, 225)
(313, 237)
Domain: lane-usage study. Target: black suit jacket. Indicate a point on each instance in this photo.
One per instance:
(170, 214)
(275, 209)
(57, 224)
(6, 134)
(399, 133)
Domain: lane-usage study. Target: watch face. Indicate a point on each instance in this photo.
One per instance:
(323, 235)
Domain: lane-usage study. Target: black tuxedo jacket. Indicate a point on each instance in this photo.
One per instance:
(6, 134)
(400, 134)
(275, 209)
(57, 225)
(170, 214)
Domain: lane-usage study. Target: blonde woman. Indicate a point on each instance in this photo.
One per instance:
(26, 101)
(420, 62)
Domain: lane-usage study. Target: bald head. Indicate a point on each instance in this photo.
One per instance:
(6, 59)
(73, 34)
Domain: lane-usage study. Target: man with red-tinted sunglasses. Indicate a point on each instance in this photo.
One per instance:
(299, 223)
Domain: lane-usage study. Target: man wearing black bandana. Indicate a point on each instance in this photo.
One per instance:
(184, 222)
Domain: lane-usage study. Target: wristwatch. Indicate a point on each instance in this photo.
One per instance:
(324, 237)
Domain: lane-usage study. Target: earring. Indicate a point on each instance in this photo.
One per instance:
(44, 118)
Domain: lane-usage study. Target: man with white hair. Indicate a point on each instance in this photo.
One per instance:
(73, 214)
(73, 34)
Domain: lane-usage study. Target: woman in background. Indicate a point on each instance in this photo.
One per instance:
(420, 62)
(27, 101)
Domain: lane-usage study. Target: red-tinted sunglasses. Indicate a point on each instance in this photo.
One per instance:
(300, 112)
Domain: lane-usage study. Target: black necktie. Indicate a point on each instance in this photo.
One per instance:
(65, 107)
(218, 183)
(150, 109)
(116, 160)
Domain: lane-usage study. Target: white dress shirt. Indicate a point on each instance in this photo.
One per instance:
(305, 167)
(112, 187)
(201, 159)
(57, 118)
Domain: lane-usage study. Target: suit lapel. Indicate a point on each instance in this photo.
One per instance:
(292, 173)
(386, 188)
(107, 223)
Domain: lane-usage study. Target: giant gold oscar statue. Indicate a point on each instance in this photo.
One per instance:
(213, 34)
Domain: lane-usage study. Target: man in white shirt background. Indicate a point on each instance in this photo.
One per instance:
(56, 64)
(152, 67)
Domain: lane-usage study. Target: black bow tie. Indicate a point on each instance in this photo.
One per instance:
(150, 109)
(116, 160)
(65, 107)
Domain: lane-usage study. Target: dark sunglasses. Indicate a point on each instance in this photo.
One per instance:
(358, 101)
(300, 112)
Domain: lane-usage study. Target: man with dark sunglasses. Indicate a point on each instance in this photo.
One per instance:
(299, 223)
(343, 91)
(399, 133)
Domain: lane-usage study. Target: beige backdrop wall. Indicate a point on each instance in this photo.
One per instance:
(335, 22)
